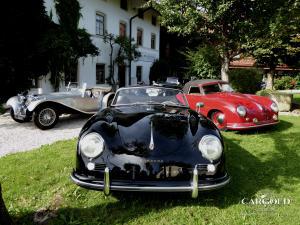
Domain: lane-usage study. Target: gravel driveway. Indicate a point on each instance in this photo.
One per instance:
(19, 137)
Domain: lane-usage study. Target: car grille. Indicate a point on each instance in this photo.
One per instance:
(165, 172)
(202, 168)
(100, 167)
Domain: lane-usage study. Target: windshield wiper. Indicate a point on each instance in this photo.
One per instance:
(174, 105)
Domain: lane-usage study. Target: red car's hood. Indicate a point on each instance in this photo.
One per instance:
(251, 102)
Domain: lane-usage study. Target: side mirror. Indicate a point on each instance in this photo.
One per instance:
(199, 105)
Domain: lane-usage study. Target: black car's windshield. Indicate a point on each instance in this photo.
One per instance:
(150, 95)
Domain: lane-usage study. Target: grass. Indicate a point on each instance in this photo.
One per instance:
(296, 98)
(265, 162)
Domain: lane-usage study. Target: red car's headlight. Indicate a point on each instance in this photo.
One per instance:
(241, 110)
(274, 107)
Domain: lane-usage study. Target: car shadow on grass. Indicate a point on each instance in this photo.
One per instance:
(249, 173)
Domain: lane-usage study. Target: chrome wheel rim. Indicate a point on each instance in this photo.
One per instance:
(47, 117)
(218, 119)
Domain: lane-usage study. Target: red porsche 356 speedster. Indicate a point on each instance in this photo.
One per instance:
(228, 109)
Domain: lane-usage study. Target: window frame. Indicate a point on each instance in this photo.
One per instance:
(104, 19)
(101, 64)
(125, 24)
(141, 14)
(142, 36)
(126, 5)
(141, 73)
(154, 20)
(153, 35)
(194, 93)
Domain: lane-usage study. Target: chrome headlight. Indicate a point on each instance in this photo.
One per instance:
(91, 145)
(241, 110)
(274, 107)
(211, 148)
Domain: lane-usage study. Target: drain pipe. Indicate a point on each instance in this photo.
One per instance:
(130, 37)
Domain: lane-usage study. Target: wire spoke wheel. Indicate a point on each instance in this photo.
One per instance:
(45, 118)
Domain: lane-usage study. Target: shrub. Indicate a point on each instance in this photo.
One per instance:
(246, 80)
(298, 81)
(285, 82)
(283, 100)
(159, 71)
(2, 110)
(265, 92)
(204, 62)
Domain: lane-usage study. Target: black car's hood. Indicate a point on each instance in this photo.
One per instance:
(165, 130)
(130, 130)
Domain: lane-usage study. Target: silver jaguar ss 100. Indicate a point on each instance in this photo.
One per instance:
(45, 109)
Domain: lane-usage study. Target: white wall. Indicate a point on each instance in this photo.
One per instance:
(113, 16)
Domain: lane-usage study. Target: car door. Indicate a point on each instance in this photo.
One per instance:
(194, 96)
(87, 103)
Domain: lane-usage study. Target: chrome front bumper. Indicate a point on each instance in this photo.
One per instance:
(20, 113)
(194, 186)
(245, 126)
(19, 108)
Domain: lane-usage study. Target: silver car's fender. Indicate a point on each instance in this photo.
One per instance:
(106, 99)
(33, 105)
(13, 103)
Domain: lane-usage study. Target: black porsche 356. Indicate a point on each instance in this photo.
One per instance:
(149, 140)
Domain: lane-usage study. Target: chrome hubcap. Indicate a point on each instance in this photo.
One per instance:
(47, 117)
(220, 118)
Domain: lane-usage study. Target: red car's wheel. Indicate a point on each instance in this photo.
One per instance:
(219, 119)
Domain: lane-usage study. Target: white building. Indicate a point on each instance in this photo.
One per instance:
(113, 16)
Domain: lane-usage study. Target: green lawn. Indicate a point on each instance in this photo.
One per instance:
(260, 163)
(296, 98)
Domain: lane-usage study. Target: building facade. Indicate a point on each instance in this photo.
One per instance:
(100, 17)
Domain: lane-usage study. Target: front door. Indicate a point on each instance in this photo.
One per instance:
(122, 75)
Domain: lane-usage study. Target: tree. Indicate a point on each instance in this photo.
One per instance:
(159, 71)
(66, 43)
(23, 58)
(110, 39)
(125, 52)
(204, 62)
(171, 61)
(281, 42)
(31, 44)
(226, 24)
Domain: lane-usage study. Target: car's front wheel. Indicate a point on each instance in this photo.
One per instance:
(45, 117)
